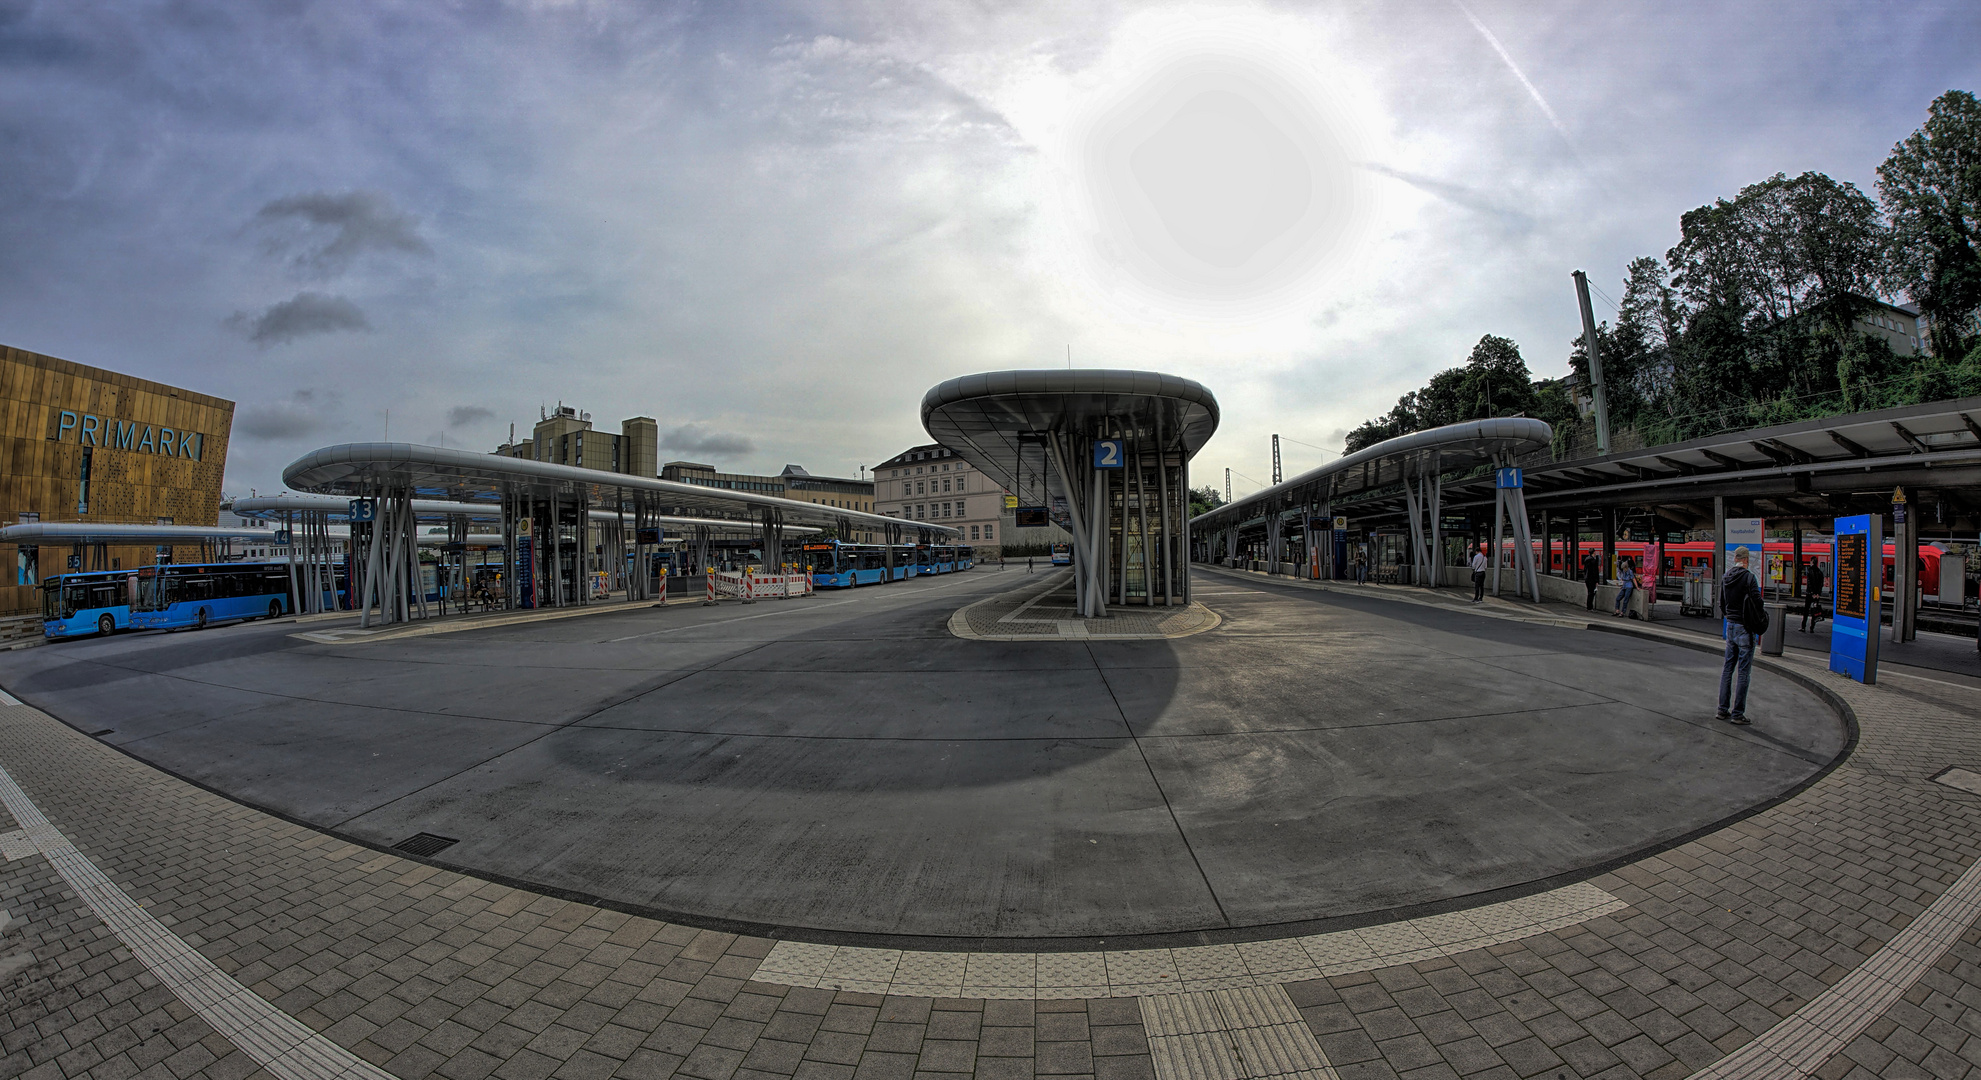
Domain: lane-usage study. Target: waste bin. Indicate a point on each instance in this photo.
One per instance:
(1771, 642)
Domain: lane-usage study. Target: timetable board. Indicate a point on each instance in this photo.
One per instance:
(1854, 604)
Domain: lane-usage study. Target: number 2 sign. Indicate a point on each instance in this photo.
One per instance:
(1107, 454)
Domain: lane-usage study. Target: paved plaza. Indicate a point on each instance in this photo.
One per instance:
(1372, 835)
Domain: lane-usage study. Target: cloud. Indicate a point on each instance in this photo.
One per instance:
(301, 315)
(1456, 194)
(363, 221)
(698, 439)
(301, 415)
(463, 415)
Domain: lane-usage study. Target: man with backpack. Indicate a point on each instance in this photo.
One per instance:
(1745, 620)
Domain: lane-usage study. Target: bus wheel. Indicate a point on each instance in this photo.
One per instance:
(275, 609)
(106, 625)
(202, 619)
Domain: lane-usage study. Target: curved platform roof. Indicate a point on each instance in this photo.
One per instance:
(91, 532)
(1459, 447)
(995, 420)
(337, 508)
(440, 472)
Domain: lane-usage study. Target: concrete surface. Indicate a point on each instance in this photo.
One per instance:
(842, 764)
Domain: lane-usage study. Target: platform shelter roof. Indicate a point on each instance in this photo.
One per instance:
(92, 532)
(443, 473)
(1452, 448)
(998, 421)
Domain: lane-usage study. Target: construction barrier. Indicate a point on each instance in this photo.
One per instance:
(750, 586)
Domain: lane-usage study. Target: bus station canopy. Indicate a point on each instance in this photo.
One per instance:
(999, 421)
(90, 532)
(438, 472)
(337, 508)
(1453, 448)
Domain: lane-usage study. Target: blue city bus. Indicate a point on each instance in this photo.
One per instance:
(1062, 554)
(98, 602)
(966, 556)
(937, 559)
(171, 596)
(904, 562)
(837, 565)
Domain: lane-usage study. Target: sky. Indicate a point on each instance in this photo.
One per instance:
(774, 227)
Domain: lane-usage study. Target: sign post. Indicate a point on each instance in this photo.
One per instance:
(1857, 563)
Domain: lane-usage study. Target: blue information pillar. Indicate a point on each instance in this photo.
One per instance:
(1858, 566)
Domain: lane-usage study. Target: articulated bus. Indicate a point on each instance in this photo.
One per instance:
(171, 596)
(98, 602)
(839, 565)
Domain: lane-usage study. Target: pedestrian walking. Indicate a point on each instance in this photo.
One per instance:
(1592, 575)
(1361, 567)
(1626, 581)
(1813, 580)
(1743, 620)
(1479, 574)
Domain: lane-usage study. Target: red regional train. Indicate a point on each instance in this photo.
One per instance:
(1780, 553)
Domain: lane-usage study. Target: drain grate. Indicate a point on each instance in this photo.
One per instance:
(424, 844)
(1960, 779)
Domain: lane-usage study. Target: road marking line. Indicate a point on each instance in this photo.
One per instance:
(283, 1045)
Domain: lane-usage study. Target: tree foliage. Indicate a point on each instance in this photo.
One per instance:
(1753, 316)
(1204, 499)
(1931, 188)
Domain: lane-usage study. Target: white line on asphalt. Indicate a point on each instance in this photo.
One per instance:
(759, 615)
(283, 1045)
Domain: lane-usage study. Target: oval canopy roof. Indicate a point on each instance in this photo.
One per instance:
(1459, 447)
(440, 472)
(996, 420)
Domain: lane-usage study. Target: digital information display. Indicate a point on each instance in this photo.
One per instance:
(1852, 588)
(1031, 517)
(1854, 607)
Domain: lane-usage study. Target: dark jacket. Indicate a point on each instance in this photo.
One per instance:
(1814, 579)
(1592, 570)
(1735, 588)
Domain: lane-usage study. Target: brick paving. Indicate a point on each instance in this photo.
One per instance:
(427, 972)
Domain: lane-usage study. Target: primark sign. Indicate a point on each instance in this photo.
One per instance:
(92, 430)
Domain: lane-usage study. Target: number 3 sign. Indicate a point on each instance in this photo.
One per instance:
(1107, 454)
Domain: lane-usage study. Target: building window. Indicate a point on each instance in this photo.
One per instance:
(987, 528)
(973, 532)
(30, 517)
(959, 480)
(945, 482)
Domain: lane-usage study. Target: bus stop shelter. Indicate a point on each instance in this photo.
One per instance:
(544, 512)
(1411, 471)
(1104, 452)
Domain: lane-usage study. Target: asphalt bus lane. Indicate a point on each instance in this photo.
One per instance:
(842, 768)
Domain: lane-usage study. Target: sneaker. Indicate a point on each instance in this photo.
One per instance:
(1738, 721)
(1722, 716)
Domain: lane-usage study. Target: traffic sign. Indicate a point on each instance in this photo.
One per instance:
(1109, 454)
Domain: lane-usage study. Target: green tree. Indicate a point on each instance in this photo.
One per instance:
(1931, 190)
(1204, 499)
(1494, 381)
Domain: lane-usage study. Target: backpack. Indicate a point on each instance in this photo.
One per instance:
(1754, 613)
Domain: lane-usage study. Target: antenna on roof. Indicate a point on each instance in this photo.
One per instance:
(1069, 356)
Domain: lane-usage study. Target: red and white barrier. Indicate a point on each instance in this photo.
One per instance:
(749, 587)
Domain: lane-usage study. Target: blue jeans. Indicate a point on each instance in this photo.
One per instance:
(1740, 656)
(1623, 598)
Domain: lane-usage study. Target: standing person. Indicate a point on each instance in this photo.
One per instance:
(1361, 567)
(1626, 580)
(1592, 575)
(1813, 580)
(1479, 574)
(1737, 590)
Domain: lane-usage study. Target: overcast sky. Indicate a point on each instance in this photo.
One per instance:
(774, 228)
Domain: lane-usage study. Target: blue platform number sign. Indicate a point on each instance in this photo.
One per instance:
(363, 509)
(1108, 454)
(282, 536)
(1510, 478)
(1858, 566)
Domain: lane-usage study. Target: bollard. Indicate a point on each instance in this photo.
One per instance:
(708, 575)
(663, 587)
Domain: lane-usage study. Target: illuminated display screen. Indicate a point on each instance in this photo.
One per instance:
(1851, 569)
